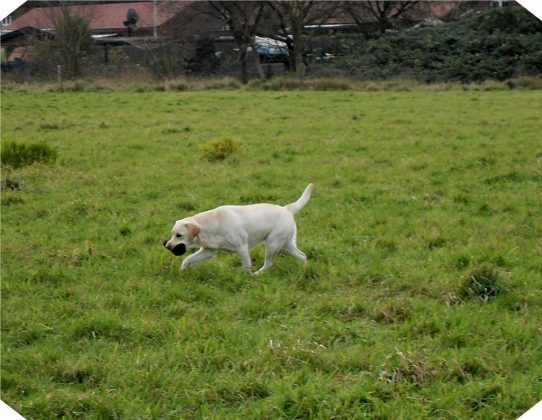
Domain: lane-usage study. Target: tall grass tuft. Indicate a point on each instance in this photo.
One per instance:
(527, 82)
(221, 149)
(18, 155)
(146, 83)
(408, 368)
(482, 282)
(329, 83)
(282, 83)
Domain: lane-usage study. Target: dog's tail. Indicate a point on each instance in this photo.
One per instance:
(299, 204)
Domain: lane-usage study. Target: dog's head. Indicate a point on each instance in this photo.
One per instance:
(183, 235)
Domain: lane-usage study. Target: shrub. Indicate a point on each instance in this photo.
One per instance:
(481, 282)
(221, 149)
(18, 155)
(493, 45)
(78, 86)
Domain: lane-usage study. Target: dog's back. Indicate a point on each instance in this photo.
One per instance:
(254, 222)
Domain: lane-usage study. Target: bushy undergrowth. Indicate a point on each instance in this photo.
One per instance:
(498, 45)
(285, 83)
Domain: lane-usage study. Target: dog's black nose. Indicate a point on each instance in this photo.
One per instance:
(165, 242)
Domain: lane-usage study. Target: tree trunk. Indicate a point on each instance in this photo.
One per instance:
(243, 62)
(298, 52)
(257, 62)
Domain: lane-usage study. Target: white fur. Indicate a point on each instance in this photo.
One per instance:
(238, 229)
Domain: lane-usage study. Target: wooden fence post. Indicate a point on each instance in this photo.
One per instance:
(59, 77)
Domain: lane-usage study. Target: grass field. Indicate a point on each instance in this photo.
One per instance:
(415, 195)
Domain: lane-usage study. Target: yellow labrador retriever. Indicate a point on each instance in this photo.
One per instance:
(238, 229)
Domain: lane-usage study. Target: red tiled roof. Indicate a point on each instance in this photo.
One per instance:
(101, 16)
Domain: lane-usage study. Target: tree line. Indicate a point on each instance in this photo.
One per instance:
(286, 20)
(282, 20)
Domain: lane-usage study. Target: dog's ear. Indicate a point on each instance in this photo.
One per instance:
(193, 230)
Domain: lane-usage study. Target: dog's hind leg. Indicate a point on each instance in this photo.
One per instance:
(293, 250)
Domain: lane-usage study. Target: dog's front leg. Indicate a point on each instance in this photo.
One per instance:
(245, 259)
(200, 255)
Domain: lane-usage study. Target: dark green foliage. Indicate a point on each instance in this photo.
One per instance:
(17, 155)
(203, 60)
(497, 45)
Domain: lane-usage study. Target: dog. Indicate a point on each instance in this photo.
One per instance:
(238, 229)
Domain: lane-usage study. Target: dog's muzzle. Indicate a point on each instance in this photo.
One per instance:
(177, 250)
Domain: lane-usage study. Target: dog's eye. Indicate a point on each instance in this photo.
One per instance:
(179, 235)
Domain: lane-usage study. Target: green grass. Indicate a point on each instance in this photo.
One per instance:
(414, 192)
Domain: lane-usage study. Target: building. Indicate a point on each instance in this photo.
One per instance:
(109, 18)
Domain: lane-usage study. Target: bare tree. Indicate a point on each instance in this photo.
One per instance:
(385, 14)
(207, 19)
(292, 17)
(243, 19)
(73, 37)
